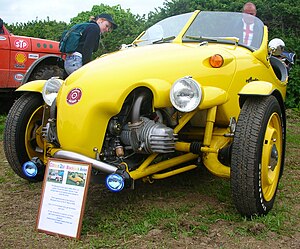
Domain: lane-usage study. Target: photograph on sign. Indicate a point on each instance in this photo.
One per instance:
(63, 198)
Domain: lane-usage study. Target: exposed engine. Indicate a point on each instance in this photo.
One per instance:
(148, 136)
(143, 137)
(137, 131)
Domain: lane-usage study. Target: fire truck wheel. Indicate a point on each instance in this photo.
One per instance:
(45, 72)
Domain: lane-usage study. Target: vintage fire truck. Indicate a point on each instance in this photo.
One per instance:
(25, 59)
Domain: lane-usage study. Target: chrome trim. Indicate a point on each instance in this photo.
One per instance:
(63, 154)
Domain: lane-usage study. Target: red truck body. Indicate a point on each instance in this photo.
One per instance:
(18, 54)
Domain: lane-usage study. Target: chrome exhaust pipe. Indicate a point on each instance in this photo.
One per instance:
(63, 154)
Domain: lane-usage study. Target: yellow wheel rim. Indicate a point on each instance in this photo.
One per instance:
(33, 135)
(271, 157)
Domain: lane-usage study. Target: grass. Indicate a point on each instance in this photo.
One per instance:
(194, 207)
(2, 121)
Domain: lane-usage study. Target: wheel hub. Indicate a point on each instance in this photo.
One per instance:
(274, 158)
(271, 156)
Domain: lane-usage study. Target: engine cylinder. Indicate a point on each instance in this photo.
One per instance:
(148, 136)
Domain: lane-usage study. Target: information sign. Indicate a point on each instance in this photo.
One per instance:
(63, 197)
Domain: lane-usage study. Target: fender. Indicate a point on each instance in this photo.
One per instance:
(262, 88)
(258, 88)
(51, 59)
(32, 86)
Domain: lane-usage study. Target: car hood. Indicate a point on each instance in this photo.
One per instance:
(99, 88)
(163, 61)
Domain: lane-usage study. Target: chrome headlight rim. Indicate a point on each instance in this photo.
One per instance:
(50, 90)
(195, 96)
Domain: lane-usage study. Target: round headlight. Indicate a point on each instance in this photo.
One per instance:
(185, 94)
(50, 90)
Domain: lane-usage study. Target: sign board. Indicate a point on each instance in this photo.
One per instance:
(63, 197)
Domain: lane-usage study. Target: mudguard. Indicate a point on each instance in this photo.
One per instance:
(258, 88)
(32, 86)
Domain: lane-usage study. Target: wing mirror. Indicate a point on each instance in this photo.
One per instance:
(276, 46)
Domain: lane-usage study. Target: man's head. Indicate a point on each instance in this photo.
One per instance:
(249, 8)
(105, 22)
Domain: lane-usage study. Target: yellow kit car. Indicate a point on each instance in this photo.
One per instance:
(189, 91)
(75, 178)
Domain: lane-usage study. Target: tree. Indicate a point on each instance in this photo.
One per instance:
(45, 29)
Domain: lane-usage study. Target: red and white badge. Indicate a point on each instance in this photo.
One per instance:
(74, 96)
(21, 44)
(18, 77)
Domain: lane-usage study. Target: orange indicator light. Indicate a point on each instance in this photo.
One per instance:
(216, 61)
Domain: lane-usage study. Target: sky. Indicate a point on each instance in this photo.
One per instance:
(22, 11)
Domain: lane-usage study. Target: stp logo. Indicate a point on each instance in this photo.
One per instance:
(21, 44)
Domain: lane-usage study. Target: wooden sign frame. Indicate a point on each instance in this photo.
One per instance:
(63, 198)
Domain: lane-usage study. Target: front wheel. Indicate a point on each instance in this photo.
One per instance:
(22, 133)
(257, 156)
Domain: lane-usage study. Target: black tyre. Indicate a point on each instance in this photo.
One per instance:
(45, 72)
(22, 133)
(257, 156)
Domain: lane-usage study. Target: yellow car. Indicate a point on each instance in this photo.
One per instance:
(75, 178)
(188, 91)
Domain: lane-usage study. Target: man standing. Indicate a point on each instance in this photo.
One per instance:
(248, 22)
